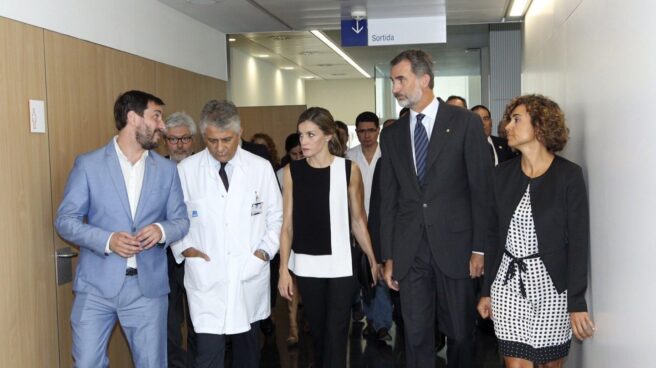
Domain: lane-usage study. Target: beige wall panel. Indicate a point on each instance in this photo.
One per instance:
(83, 81)
(276, 121)
(182, 90)
(27, 287)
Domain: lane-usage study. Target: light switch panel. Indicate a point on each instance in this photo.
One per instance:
(37, 116)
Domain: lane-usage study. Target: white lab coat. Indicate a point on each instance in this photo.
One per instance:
(230, 291)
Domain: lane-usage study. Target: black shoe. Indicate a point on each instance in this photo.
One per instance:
(356, 312)
(383, 335)
(369, 331)
(267, 326)
(440, 342)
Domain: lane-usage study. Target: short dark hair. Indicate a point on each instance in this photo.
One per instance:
(291, 142)
(479, 107)
(547, 118)
(420, 62)
(134, 100)
(454, 97)
(368, 117)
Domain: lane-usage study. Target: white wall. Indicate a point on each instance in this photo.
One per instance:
(146, 28)
(344, 98)
(256, 82)
(596, 59)
(466, 86)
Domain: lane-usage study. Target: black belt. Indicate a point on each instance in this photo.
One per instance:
(130, 271)
(521, 267)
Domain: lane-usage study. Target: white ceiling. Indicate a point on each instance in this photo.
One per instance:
(279, 28)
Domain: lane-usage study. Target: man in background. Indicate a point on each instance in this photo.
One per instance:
(499, 150)
(454, 100)
(180, 134)
(379, 308)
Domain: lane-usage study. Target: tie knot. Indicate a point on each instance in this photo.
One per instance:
(223, 164)
(420, 117)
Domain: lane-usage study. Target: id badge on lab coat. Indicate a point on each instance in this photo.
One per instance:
(256, 207)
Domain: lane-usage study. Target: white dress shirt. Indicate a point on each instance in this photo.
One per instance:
(366, 168)
(494, 151)
(430, 113)
(133, 176)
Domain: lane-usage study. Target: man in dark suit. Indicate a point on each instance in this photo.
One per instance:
(435, 180)
(180, 134)
(499, 150)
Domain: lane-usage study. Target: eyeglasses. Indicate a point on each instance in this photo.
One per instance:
(365, 131)
(174, 140)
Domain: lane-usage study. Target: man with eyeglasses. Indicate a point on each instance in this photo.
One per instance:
(180, 133)
(379, 308)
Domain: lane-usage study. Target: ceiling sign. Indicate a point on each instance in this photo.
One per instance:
(393, 31)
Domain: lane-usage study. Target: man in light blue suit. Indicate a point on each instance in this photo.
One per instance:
(123, 205)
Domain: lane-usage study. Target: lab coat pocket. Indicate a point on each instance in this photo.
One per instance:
(198, 273)
(253, 267)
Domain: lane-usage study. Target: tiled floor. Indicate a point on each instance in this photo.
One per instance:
(362, 352)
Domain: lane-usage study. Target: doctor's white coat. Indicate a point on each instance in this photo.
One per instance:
(232, 290)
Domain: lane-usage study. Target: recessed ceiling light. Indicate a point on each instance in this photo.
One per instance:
(262, 55)
(322, 37)
(287, 68)
(518, 8)
(307, 77)
(232, 39)
(202, 2)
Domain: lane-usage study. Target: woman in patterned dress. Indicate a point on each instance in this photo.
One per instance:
(536, 266)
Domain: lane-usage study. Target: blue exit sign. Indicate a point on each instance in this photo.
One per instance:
(354, 32)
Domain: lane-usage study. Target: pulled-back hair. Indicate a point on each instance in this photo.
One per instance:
(324, 120)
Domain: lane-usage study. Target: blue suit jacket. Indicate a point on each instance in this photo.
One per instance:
(96, 204)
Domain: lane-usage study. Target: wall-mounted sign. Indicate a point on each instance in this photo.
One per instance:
(393, 31)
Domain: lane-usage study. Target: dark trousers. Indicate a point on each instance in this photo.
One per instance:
(427, 293)
(327, 305)
(177, 313)
(211, 348)
(275, 275)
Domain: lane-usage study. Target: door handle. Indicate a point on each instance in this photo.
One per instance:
(65, 265)
(70, 254)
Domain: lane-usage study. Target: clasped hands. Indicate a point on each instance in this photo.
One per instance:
(126, 245)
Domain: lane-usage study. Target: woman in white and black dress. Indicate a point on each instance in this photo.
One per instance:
(536, 268)
(322, 206)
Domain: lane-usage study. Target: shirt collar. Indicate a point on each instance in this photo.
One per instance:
(232, 162)
(124, 158)
(429, 111)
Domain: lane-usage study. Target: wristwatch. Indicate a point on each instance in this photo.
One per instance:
(263, 253)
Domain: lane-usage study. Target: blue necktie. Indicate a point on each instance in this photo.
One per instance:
(421, 148)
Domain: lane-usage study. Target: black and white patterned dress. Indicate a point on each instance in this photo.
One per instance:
(530, 317)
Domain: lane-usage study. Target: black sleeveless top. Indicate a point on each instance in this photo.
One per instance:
(311, 208)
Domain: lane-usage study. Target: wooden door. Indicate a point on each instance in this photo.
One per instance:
(27, 275)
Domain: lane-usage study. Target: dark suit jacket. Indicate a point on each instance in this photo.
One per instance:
(256, 149)
(451, 208)
(559, 203)
(504, 153)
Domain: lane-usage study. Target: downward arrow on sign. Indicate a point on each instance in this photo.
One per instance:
(357, 28)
